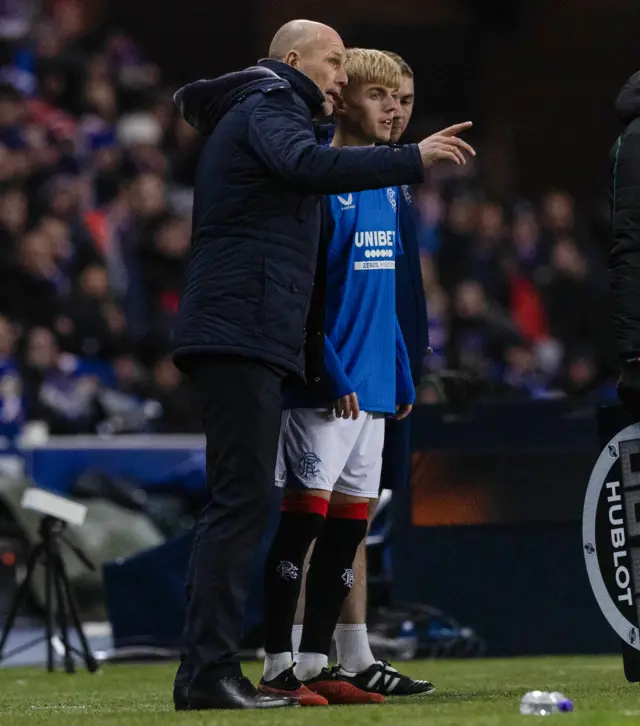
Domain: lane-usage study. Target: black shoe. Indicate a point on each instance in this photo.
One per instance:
(382, 678)
(180, 698)
(236, 692)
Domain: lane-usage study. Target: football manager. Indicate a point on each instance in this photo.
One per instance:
(245, 316)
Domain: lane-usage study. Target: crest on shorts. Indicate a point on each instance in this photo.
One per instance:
(347, 578)
(308, 465)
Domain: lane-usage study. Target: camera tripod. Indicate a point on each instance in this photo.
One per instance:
(59, 600)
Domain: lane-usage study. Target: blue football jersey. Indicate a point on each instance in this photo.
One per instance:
(364, 350)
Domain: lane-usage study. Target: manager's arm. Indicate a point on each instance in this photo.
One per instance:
(280, 134)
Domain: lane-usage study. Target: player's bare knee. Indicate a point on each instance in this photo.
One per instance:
(293, 494)
(340, 498)
(373, 504)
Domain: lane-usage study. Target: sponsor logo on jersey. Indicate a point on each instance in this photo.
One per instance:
(346, 202)
(375, 238)
(377, 249)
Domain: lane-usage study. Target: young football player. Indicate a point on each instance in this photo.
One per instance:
(357, 662)
(331, 442)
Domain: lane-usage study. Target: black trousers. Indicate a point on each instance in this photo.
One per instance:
(242, 407)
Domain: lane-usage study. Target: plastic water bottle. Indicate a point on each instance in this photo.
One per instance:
(407, 641)
(543, 703)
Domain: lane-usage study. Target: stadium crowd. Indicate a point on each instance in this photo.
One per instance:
(96, 171)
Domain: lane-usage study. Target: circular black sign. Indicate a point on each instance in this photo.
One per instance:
(609, 520)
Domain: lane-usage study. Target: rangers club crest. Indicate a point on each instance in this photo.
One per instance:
(308, 465)
(347, 578)
(391, 196)
(288, 571)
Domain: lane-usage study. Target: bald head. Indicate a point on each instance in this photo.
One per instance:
(298, 35)
(315, 50)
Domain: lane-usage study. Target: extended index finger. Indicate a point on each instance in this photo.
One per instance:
(461, 143)
(456, 129)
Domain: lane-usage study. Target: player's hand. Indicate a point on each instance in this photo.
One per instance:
(347, 406)
(403, 410)
(446, 146)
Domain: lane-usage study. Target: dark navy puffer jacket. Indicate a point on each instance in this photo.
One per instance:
(256, 214)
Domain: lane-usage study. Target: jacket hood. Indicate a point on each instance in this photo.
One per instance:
(308, 91)
(628, 102)
(203, 103)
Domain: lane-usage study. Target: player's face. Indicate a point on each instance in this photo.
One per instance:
(404, 110)
(369, 110)
(323, 62)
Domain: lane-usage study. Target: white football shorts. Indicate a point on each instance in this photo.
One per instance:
(316, 450)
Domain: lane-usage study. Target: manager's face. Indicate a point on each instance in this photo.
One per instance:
(322, 59)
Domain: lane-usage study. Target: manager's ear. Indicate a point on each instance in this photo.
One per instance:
(292, 58)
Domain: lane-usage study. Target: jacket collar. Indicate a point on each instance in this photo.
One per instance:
(308, 91)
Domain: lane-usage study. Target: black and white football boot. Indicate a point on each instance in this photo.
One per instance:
(383, 678)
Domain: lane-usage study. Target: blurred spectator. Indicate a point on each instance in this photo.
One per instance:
(525, 259)
(527, 249)
(522, 373)
(100, 99)
(59, 390)
(437, 305)
(163, 250)
(480, 331)
(572, 300)
(91, 322)
(140, 135)
(485, 257)
(457, 237)
(29, 291)
(183, 146)
(558, 215)
(180, 410)
(16, 17)
(11, 399)
(12, 117)
(72, 248)
(14, 216)
(431, 209)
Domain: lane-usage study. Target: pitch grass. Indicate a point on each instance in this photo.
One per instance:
(470, 693)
